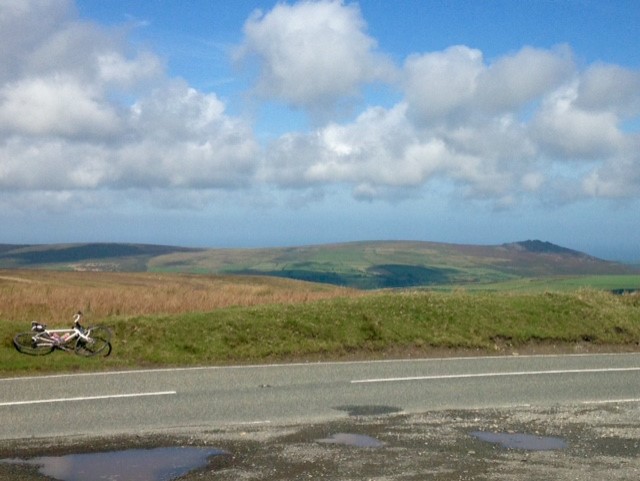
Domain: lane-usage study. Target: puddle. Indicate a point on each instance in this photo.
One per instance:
(160, 464)
(357, 440)
(526, 442)
(356, 410)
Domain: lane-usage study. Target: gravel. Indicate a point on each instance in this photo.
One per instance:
(584, 442)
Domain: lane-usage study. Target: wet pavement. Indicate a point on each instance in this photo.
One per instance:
(156, 464)
(583, 442)
(526, 442)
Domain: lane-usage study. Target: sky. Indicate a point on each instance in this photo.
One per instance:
(210, 123)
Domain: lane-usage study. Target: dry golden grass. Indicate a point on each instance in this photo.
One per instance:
(185, 320)
(53, 296)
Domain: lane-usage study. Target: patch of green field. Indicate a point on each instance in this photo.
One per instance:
(374, 265)
(368, 326)
(618, 283)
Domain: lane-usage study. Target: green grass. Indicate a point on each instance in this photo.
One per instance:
(363, 326)
(559, 283)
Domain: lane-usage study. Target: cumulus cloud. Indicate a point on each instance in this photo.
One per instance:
(55, 105)
(383, 154)
(529, 123)
(84, 111)
(610, 88)
(439, 84)
(185, 139)
(569, 131)
(376, 150)
(312, 54)
(23, 30)
(456, 82)
(512, 81)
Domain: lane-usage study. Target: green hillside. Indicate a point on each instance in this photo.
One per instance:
(369, 265)
(87, 257)
(365, 265)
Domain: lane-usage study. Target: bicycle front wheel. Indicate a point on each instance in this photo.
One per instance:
(26, 344)
(96, 344)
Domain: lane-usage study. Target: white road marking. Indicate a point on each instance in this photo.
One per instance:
(87, 398)
(250, 423)
(494, 374)
(613, 401)
(431, 360)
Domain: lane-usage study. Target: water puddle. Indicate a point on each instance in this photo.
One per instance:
(526, 442)
(364, 410)
(160, 464)
(357, 440)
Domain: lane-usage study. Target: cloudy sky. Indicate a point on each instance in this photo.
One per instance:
(259, 123)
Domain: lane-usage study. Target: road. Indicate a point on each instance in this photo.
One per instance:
(210, 397)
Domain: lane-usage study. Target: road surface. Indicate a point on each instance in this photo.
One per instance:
(209, 397)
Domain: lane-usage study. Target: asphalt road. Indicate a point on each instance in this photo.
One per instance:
(210, 397)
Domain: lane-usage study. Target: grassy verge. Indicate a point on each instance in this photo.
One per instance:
(626, 283)
(364, 325)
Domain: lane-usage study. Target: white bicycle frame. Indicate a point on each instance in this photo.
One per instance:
(47, 337)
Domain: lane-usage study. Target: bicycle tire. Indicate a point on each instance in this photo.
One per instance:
(100, 331)
(97, 344)
(25, 344)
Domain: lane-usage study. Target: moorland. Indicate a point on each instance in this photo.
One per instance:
(229, 307)
(362, 265)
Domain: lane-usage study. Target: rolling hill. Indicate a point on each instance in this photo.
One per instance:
(83, 257)
(365, 265)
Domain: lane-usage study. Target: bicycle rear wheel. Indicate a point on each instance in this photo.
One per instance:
(25, 343)
(97, 343)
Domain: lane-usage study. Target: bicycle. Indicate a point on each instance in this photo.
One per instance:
(91, 341)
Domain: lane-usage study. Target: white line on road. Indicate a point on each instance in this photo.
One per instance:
(613, 401)
(87, 398)
(251, 423)
(313, 364)
(494, 374)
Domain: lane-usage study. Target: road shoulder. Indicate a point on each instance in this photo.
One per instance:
(598, 442)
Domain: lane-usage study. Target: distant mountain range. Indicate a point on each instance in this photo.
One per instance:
(366, 265)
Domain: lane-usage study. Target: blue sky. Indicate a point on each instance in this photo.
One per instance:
(261, 123)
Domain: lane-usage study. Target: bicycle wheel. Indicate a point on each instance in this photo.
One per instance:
(25, 344)
(97, 343)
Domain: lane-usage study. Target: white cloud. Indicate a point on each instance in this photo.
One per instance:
(312, 54)
(456, 83)
(610, 88)
(568, 131)
(55, 105)
(84, 112)
(619, 176)
(512, 81)
(24, 26)
(501, 132)
(185, 139)
(52, 164)
(380, 149)
(114, 69)
(439, 84)
(382, 152)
